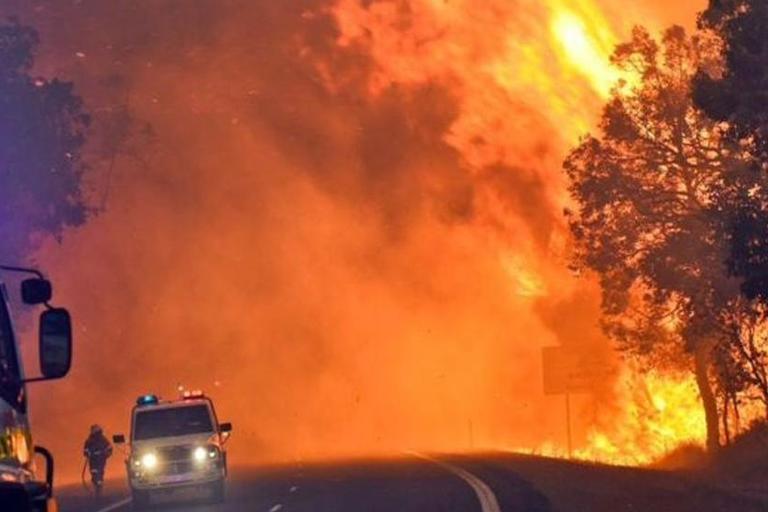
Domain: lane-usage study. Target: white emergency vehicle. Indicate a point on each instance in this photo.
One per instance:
(175, 444)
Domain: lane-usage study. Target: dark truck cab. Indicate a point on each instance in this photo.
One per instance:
(21, 487)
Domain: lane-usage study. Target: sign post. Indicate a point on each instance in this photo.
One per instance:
(568, 422)
(568, 371)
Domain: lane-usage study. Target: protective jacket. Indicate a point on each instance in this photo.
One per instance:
(98, 449)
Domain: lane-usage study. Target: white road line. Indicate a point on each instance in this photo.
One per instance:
(115, 505)
(276, 508)
(488, 501)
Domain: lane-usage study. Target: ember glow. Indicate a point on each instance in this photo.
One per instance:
(345, 223)
(661, 413)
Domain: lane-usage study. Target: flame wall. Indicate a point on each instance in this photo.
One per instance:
(344, 221)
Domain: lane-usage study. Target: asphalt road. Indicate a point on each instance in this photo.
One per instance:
(483, 483)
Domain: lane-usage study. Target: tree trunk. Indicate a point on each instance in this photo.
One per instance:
(702, 357)
(726, 426)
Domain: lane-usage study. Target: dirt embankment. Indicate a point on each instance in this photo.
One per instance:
(585, 487)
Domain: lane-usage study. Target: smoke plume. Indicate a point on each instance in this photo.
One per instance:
(339, 218)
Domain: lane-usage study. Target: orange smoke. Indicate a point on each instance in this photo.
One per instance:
(343, 221)
(531, 78)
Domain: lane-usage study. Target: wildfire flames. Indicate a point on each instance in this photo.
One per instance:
(514, 63)
(348, 215)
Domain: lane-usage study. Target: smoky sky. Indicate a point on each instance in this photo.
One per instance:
(318, 257)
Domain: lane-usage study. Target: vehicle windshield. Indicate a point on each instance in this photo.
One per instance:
(177, 421)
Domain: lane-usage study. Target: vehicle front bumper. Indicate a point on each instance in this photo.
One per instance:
(149, 481)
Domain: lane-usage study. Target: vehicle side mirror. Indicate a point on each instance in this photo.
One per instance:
(225, 430)
(36, 291)
(55, 343)
(118, 439)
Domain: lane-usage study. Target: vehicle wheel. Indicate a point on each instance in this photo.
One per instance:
(139, 499)
(217, 491)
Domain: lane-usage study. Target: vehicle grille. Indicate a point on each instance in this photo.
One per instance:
(178, 468)
(176, 460)
(175, 453)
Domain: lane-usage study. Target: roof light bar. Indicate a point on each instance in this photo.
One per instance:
(147, 400)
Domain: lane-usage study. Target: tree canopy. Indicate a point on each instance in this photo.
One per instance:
(738, 97)
(739, 94)
(42, 131)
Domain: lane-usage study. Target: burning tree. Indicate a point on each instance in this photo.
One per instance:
(42, 131)
(648, 218)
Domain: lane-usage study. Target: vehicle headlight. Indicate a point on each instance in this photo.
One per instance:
(149, 461)
(203, 453)
(200, 454)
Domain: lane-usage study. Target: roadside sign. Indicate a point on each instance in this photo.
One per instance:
(566, 370)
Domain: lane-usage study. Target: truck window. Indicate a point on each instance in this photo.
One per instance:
(177, 421)
(10, 377)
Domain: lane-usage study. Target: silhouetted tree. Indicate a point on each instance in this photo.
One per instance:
(747, 348)
(42, 131)
(738, 97)
(648, 215)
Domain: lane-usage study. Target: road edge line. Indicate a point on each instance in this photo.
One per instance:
(486, 496)
(115, 505)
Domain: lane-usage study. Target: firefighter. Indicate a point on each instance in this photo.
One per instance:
(97, 450)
